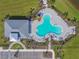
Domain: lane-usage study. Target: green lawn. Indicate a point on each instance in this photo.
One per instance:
(17, 46)
(14, 7)
(65, 5)
(71, 49)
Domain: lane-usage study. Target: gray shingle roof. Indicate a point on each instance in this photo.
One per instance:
(23, 25)
(16, 24)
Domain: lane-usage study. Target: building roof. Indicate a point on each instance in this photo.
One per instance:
(20, 23)
(16, 24)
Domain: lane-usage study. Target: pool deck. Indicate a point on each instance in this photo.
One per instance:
(56, 20)
(34, 35)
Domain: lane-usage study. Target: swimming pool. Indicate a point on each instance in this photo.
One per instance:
(46, 27)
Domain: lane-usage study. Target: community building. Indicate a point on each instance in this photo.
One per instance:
(17, 28)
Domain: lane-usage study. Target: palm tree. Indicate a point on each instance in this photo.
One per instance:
(65, 14)
(32, 10)
(16, 53)
(74, 19)
(53, 1)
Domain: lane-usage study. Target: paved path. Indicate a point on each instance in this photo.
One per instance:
(1, 48)
(49, 44)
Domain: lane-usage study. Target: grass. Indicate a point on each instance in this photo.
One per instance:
(17, 46)
(65, 5)
(71, 49)
(14, 7)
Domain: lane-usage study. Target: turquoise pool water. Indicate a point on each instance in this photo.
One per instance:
(46, 27)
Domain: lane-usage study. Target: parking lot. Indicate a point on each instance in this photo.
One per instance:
(27, 54)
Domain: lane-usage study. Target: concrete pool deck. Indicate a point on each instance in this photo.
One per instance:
(56, 20)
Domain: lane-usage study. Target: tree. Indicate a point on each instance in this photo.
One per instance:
(16, 53)
(31, 12)
(65, 14)
(74, 19)
(53, 1)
